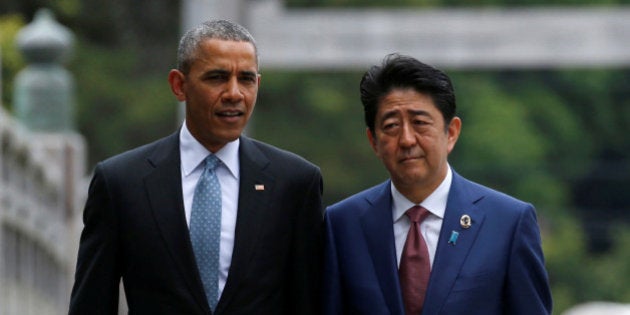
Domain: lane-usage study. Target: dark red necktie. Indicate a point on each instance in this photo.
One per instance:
(415, 266)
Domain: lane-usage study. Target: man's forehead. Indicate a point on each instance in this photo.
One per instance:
(406, 100)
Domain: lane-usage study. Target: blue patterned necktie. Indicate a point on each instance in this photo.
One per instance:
(205, 228)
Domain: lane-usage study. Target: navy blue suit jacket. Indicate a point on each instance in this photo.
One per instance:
(495, 267)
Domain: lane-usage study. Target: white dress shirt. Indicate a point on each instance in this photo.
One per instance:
(431, 226)
(192, 154)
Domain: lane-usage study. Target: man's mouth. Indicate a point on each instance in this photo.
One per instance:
(409, 158)
(230, 114)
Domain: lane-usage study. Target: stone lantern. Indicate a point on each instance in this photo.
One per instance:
(44, 90)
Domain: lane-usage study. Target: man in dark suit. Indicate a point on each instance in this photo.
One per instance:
(142, 204)
(427, 241)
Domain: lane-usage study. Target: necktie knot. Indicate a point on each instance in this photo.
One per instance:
(417, 214)
(212, 161)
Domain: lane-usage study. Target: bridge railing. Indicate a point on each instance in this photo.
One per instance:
(42, 188)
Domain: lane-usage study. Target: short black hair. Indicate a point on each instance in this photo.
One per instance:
(403, 72)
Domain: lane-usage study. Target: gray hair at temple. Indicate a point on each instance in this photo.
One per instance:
(215, 29)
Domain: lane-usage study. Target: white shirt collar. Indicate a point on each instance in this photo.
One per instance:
(435, 202)
(193, 153)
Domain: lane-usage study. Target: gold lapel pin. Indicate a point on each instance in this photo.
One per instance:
(259, 187)
(465, 221)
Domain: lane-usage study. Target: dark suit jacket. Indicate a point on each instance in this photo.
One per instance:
(135, 228)
(495, 267)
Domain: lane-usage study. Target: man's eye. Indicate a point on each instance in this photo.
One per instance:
(420, 122)
(248, 79)
(389, 126)
(216, 77)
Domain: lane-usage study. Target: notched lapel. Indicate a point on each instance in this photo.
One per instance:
(255, 191)
(450, 258)
(377, 224)
(163, 187)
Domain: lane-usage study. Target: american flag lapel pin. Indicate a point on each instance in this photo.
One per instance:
(259, 187)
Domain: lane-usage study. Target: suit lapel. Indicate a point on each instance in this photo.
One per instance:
(164, 191)
(378, 231)
(252, 203)
(449, 258)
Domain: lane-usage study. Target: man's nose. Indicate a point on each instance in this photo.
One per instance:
(407, 136)
(233, 91)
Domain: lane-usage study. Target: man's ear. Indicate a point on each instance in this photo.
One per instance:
(454, 128)
(176, 79)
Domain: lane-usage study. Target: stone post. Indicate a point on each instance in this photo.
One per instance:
(44, 90)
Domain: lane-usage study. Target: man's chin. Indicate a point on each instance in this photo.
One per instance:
(410, 178)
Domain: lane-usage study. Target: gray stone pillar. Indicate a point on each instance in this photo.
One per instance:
(44, 90)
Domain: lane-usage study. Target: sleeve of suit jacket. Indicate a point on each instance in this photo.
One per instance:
(97, 275)
(307, 251)
(332, 295)
(527, 286)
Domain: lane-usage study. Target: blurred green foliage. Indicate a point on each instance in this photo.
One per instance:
(11, 58)
(556, 138)
(120, 107)
(319, 116)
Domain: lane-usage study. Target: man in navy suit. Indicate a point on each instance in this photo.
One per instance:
(138, 213)
(472, 250)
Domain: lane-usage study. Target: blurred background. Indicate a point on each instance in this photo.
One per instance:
(543, 89)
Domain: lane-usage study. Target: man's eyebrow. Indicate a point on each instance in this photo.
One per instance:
(215, 72)
(413, 112)
(389, 114)
(418, 112)
(246, 73)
